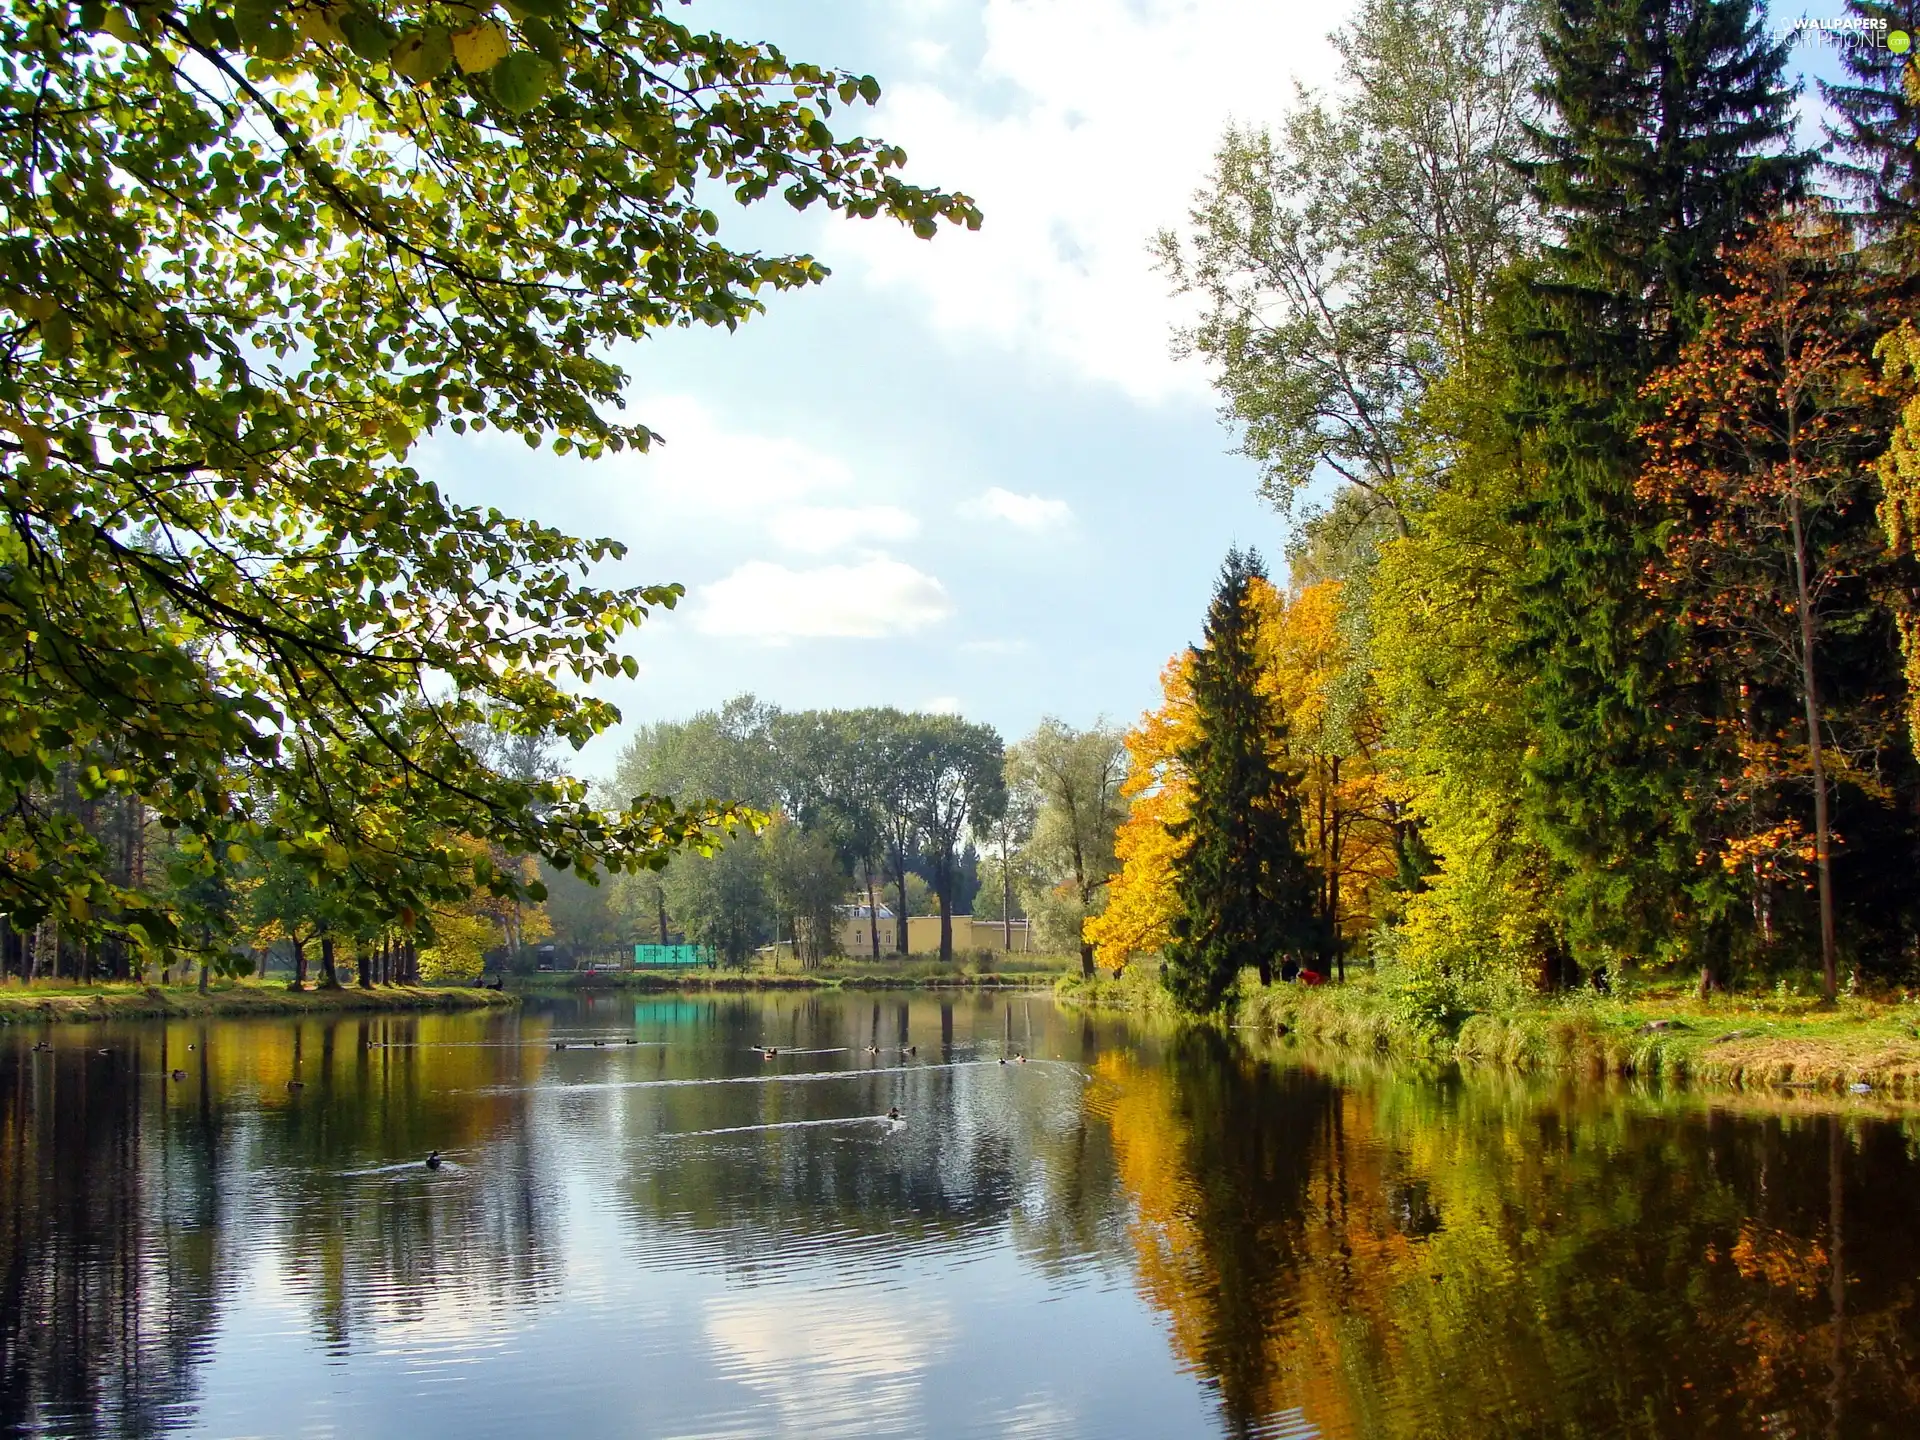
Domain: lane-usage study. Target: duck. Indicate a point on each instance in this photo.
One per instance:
(179, 1075)
(893, 1112)
(296, 1084)
(1020, 1059)
(911, 1050)
(103, 1051)
(189, 1045)
(42, 1045)
(632, 1041)
(1003, 1059)
(599, 1044)
(559, 1044)
(767, 1052)
(433, 1161)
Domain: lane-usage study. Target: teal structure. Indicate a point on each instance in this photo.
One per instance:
(654, 956)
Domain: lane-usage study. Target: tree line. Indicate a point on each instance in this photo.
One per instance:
(875, 808)
(1593, 392)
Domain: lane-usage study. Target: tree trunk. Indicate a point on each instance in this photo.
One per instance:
(900, 919)
(873, 908)
(1006, 897)
(206, 970)
(1810, 695)
(363, 963)
(329, 972)
(299, 949)
(660, 901)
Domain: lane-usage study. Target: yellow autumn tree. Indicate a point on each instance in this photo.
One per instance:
(1900, 495)
(1334, 729)
(463, 933)
(1140, 899)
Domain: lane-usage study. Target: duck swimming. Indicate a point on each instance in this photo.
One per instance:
(433, 1161)
(179, 1075)
(893, 1112)
(296, 1084)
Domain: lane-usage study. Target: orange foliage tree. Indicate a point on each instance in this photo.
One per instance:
(1762, 456)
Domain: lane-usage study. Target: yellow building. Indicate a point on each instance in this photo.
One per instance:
(923, 933)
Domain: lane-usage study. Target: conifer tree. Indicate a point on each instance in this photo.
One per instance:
(1244, 891)
(1667, 134)
(1876, 124)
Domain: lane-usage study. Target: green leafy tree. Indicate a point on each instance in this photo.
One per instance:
(252, 253)
(807, 885)
(1337, 258)
(960, 781)
(1075, 777)
(1244, 890)
(1668, 135)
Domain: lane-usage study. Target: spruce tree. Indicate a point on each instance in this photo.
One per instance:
(1876, 124)
(1244, 887)
(1666, 135)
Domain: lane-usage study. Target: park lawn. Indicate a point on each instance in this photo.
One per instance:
(55, 1001)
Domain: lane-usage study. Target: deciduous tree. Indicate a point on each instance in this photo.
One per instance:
(252, 254)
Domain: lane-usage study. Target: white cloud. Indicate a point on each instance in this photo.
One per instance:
(868, 601)
(706, 467)
(831, 1363)
(1055, 134)
(815, 529)
(1023, 512)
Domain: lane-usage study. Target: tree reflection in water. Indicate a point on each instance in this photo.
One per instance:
(728, 1241)
(1398, 1256)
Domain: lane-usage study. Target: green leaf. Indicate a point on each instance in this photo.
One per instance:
(368, 36)
(423, 56)
(520, 81)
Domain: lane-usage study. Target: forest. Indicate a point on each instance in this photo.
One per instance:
(1579, 342)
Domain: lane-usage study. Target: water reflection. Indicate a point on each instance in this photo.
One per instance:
(1399, 1258)
(226, 1228)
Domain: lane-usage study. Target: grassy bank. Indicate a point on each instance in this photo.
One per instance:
(45, 1003)
(1737, 1041)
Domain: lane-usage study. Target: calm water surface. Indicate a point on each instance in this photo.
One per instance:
(1131, 1234)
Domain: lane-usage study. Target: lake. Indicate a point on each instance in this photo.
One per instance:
(661, 1230)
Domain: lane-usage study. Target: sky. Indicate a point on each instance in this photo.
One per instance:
(965, 474)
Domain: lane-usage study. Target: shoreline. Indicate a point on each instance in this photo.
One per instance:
(662, 984)
(134, 1002)
(1733, 1043)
